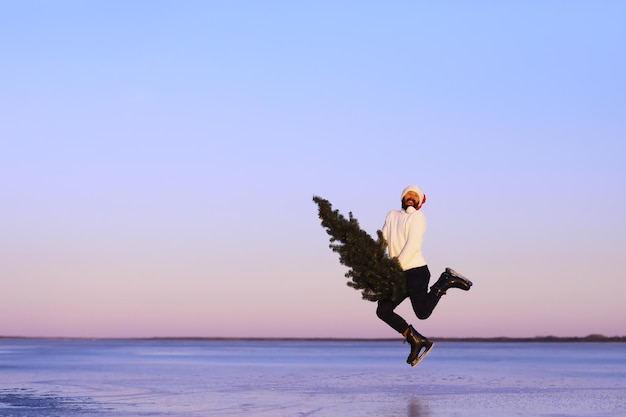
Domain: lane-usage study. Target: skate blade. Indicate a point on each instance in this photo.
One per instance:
(422, 356)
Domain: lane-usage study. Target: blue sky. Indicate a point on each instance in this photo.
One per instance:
(158, 161)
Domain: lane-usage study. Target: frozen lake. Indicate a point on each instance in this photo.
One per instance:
(308, 378)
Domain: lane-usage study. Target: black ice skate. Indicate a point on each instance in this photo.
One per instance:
(455, 274)
(420, 346)
(450, 279)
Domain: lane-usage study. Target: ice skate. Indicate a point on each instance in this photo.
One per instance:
(420, 346)
(459, 277)
(450, 279)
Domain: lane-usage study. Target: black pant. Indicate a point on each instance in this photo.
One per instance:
(423, 302)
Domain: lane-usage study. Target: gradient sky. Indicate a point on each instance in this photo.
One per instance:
(158, 161)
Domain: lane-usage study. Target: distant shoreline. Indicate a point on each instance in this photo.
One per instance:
(543, 339)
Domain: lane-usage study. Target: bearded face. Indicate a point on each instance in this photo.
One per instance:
(411, 199)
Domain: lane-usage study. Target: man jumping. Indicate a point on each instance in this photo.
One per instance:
(404, 232)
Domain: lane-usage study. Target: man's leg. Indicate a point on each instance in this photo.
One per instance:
(422, 301)
(420, 346)
(423, 304)
(385, 312)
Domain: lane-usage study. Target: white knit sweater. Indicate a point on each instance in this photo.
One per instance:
(404, 234)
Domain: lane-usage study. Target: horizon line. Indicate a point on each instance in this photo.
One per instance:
(588, 338)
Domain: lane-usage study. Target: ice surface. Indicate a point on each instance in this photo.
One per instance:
(309, 378)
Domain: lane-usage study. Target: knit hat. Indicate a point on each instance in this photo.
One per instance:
(418, 191)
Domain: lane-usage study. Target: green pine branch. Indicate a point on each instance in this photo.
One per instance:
(371, 270)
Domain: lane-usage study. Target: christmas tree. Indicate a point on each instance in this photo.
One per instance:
(378, 276)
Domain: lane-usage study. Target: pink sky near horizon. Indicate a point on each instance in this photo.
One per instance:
(158, 163)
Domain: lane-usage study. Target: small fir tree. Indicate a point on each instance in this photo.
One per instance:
(372, 271)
